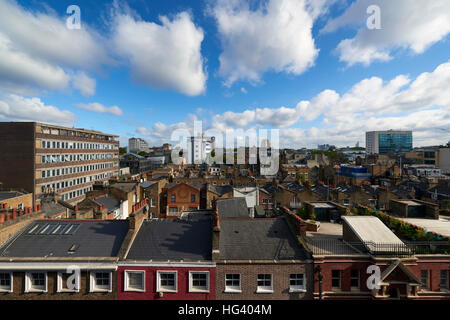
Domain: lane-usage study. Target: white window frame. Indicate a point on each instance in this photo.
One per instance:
(60, 287)
(264, 289)
(158, 281)
(28, 285)
(191, 289)
(93, 286)
(126, 280)
(233, 289)
(11, 282)
(297, 288)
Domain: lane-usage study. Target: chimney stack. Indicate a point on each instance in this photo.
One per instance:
(216, 236)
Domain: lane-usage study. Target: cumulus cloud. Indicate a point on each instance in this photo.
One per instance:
(99, 108)
(405, 24)
(274, 37)
(421, 104)
(85, 84)
(37, 50)
(164, 56)
(17, 108)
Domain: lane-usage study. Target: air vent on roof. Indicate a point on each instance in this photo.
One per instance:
(73, 248)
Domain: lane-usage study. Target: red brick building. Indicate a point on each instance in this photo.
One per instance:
(169, 260)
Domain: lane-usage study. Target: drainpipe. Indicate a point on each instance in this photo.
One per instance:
(320, 278)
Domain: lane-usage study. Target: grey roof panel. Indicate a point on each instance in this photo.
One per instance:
(94, 238)
(258, 239)
(232, 208)
(110, 203)
(173, 240)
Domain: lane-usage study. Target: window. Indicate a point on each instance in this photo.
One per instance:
(100, 282)
(297, 282)
(173, 198)
(5, 282)
(444, 279)
(424, 278)
(135, 281)
(68, 282)
(167, 281)
(199, 281)
(354, 279)
(346, 202)
(336, 278)
(264, 283)
(232, 283)
(36, 282)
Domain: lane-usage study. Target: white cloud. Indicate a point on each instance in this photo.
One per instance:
(38, 51)
(18, 108)
(405, 24)
(243, 90)
(99, 108)
(164, 56)
(85, 84)
(274, 37)
(421, 104)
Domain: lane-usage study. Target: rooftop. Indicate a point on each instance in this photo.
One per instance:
(110, 203)
(164, 240)
(371, 229)
(5, 195)
(441, 226)
(55, 238)
(258, 239)
(232, 208)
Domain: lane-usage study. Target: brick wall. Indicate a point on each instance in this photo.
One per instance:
(26, 200)
(52, 294)
(249, 273)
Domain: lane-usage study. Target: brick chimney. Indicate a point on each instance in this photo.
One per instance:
(216, 236)
(135, 220)
(76, 214)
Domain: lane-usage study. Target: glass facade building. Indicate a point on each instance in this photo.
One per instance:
(394, 142)
(384, 142)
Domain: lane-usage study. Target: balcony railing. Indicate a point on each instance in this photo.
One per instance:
(330, 247)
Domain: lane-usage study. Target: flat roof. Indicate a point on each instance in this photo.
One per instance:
(410, 202)
(440, 226)
(371, 229)
(322, 205)
(4, 195)
(328, 240)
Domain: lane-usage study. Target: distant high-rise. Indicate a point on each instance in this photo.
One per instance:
(136, 145)
(199, 147)
(391, 141)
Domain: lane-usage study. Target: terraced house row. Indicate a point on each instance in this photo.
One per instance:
(216, 254)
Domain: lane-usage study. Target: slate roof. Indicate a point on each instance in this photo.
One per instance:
(232, 208)
(169, 239)
(220, 190)
(110, 203)
(258, 239)
(4, 195)
(173, 184)
(92, 238)
(293, 186)
(52, 208)
(147, 184)
(125, 186)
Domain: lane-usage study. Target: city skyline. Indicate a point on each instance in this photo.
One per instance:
(141, 69)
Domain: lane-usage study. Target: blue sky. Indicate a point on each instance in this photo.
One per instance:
(312, 69)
